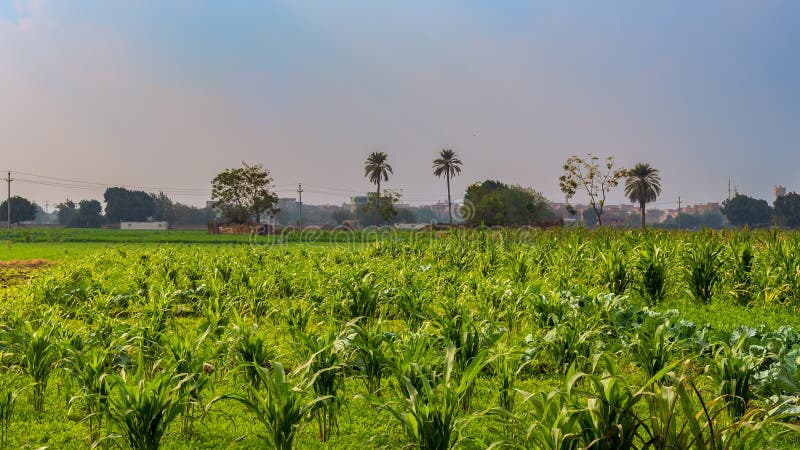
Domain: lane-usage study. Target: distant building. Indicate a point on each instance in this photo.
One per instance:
(654, 216)
(143, 225)
(358, 202)
(702, 209)
(779, 191)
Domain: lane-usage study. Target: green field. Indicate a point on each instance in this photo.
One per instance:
(518, 339)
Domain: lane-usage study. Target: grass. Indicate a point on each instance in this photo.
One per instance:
(57, 251)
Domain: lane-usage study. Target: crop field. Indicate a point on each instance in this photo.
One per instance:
(559, 339)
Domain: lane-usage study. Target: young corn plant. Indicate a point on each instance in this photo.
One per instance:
(282, 406)
(9, 393)
(459, 328)
(507, 366)
(703, 264)
(324, 368)
(652, 274)
(733, 369)
(613, 268)
(430, 416)
(251, 351)
(369, 357)
(143, 409)
(571, 342)
(89, 368)
(551, 422)
(741, 271)
(608, 419)
(39, 353)
(188, 358)
(652, 348)
(362, 297)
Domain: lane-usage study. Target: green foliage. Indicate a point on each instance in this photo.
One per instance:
(243, 193)
(653, 347)
(9, 392)
(742, 258)
(703, 266)
(22, 209)
(282, 407)
(652, 274)
(572, 365)
(370, 356)
(614, 269)
(787, 210)
(324, 367)
(362, 297)
(431, 412)
(126, 205)
(732, 369)
(742, 210)
(449, 165)
(377, 169)
(89, 369)
(143, 409)
(38, 349)
(251, 351)
(498, 204)
(642, 186)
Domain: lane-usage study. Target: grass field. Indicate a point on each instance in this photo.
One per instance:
(527, 339)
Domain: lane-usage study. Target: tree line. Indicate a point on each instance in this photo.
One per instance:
(245, 195)
(122, 205)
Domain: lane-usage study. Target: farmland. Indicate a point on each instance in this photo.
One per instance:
(518, 339)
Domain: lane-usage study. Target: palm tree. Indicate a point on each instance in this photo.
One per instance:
(449, 165)
(375, 169)
(643, 185)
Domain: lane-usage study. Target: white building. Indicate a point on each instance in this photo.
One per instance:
(143, 225)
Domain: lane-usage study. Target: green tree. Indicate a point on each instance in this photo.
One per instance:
(88, 215)
(449, 165)
(742, 210)
(67, 212)
(376, 168)
(642, 185)
(164, 208)
(22, 209)
(589, 175)
(787, 210)
(499, 204)
(127, 205)
(243, 193)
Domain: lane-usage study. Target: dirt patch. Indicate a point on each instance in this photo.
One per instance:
(24, 264)
(19, 271)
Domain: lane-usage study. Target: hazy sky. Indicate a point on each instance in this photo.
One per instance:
(163, 95)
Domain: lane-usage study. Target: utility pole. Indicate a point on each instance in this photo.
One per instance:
(679, 212)
(8, 202)
(300, 203)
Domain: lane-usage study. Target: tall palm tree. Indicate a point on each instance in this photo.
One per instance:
(643, 185)
(376, 169)
(449, 165)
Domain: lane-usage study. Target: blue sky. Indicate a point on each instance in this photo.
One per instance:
(166, 94)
